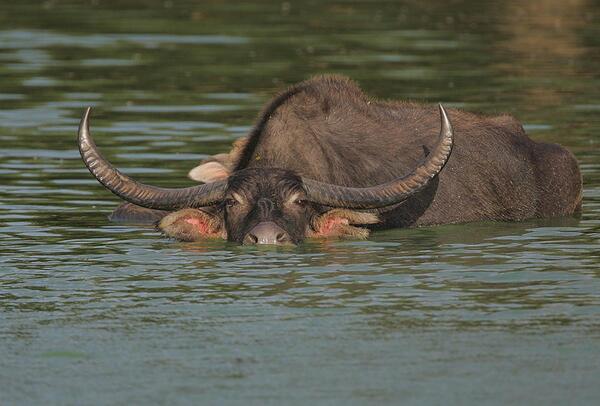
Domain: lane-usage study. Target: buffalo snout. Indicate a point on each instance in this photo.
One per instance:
(267, 232)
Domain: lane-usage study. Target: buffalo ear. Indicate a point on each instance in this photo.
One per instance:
(341, 223)
(192, 225)
(219, 167)
(209, 172)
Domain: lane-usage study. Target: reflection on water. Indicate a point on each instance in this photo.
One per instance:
(410, 314)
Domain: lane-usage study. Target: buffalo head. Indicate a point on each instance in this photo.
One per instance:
(265, 205)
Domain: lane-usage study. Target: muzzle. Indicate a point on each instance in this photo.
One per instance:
(267, 232)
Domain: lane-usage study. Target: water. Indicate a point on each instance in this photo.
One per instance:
(97, 313)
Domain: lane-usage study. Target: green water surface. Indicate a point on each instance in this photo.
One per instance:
(98, 313)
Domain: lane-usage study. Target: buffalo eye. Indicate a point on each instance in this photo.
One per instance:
(297, 200)
(234, 200)
(230, 202)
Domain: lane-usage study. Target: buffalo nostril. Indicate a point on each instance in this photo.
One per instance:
(281, 237)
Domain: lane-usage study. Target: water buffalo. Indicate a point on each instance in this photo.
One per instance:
(326, 160)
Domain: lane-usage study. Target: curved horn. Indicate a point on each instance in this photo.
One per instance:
(391, 192)
(135, 192)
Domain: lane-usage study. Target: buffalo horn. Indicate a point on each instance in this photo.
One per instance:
(135, 192)
(389, 193)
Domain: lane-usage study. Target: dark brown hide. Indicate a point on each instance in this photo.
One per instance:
(327, 129)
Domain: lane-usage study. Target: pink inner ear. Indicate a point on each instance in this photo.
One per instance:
(330, 224)
(200, 225)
